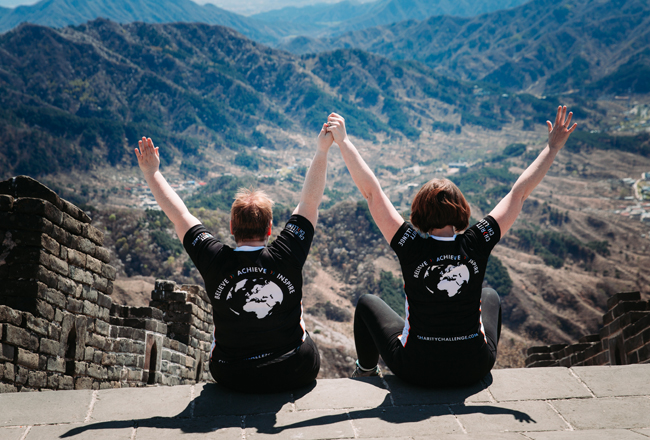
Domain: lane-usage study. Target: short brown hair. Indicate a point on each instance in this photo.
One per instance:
(250, 214)
(439, 203)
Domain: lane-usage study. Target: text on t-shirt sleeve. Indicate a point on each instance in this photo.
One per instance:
(484, 235)
(295, 239)
(405, 242)
(201, 246)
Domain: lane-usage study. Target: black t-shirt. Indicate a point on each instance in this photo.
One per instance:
(256, 295)
(443, 281)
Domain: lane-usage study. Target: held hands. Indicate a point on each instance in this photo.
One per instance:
(559, 133)
(325, 139)
(336, 126)
(148, 157)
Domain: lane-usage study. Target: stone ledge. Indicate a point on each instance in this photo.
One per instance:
(543, 403)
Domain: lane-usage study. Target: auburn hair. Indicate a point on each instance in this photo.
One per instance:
(439, 203)
(250, 214)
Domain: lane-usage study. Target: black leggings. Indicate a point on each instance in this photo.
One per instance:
(377, 329)
(297, 370)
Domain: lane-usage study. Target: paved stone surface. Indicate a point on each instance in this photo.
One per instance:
(307, 425)
(604, 381)
(141, 403)
(12, 433)
(50, 432)
(592, 434)
(536, 384)
(611, 412)
(367, 392)
(509, 416)
(43, 408)
(535, 404)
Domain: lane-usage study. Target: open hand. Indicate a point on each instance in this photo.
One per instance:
(336, 126)
(148, 157)
(325, 138)
(559, 133)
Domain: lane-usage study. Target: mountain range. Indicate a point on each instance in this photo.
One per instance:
(91, 90)
(349, 15)
(543, 46)
(60, 13)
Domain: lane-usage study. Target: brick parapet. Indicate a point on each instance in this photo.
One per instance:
(624, 338)
(59, 328)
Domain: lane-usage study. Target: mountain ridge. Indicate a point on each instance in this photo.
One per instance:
(540, 46)
(60, 13)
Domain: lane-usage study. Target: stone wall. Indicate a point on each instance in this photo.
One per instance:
(624, 338)
(59, 328)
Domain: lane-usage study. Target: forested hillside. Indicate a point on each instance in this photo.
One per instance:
(81, 96)
(544, 46)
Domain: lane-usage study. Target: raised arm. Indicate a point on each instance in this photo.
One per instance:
(383, 212)
(506, 212)
(168, 200)
(312, 189)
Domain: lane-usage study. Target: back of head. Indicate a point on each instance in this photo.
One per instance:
(250, 215)
(439, 203)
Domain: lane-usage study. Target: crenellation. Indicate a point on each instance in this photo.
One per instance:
(59, 328)
(623, 339)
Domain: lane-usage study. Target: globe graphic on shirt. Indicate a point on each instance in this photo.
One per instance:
(260, 296)
(452, 279)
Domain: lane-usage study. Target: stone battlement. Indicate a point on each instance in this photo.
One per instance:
(59, 328)
(624, 338)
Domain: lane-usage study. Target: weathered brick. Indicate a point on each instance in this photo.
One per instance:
(53, 381)
(20, 337)
(21, 375)
(27, 359)
(71, 225)
(81, 276)
(102, 327)
(7, 352)
(37, 325)
(66, 383)
(97, 341)
(10, 316)
(104, 301)
(97, 372)
(99, 282)
(62, 237)
(37, 379)
(30, 222)
(86, 246)
(51, 347)
(66, 285)
(108, 359)
(80, 368)
(6, 202)
(74, 306)
(90, 309)
(109, 272)
(74, 211)
(93, 264)
(29, 205)
(50, 244)
(93, 234)
(102, 254)
(88, 293)
(77, 258)
(83, 383)
(44, 310)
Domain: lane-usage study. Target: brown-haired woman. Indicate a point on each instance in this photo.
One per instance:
(452, 324)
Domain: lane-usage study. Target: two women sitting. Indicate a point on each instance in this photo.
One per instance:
(452, 325)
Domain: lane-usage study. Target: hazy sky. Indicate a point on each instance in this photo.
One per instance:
(246, 7)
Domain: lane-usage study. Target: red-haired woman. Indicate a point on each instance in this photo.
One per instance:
(452, 324)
